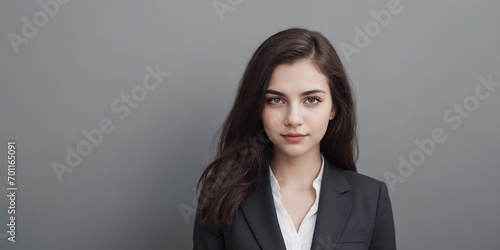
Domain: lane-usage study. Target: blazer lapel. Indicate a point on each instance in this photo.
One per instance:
(260, 214)
(333, 208)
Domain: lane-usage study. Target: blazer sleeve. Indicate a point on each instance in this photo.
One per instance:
(384, 235)
(206, 236)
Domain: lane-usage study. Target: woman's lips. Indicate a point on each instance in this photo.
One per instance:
(294, 138)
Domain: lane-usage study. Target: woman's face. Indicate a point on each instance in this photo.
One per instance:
(298, 108)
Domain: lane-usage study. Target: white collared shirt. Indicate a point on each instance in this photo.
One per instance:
(301, 240)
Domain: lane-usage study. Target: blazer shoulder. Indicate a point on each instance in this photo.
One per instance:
(356, 179)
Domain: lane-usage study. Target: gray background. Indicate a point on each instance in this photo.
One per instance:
(129, 192)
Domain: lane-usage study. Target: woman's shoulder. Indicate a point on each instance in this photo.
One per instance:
(364, 189)
(360, 178)
(339, 174)
(359, 181)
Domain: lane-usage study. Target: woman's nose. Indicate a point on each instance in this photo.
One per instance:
(293, 116)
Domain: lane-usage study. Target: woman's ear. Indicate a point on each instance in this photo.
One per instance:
(332, 114)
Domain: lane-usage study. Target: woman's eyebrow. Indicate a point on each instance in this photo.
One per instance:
(309, 92)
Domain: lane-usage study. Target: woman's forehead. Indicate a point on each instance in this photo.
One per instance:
(297, 82)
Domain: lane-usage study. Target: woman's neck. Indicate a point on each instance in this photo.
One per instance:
(296, 172)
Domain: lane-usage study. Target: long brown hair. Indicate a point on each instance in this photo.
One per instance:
(244, 151)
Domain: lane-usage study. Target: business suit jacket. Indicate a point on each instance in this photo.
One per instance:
(354, 213)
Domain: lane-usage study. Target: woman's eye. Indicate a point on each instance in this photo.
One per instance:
(312, 100)
(274, 100)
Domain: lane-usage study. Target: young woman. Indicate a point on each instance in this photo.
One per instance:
(284, 177)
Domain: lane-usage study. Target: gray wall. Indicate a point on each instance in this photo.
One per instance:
(419, 78)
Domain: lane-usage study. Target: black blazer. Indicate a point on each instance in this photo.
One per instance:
(354, 213)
